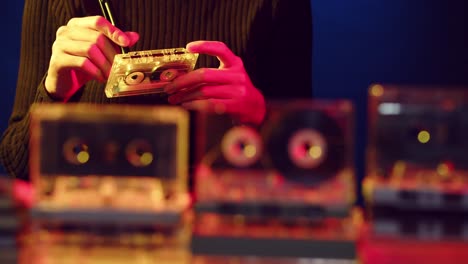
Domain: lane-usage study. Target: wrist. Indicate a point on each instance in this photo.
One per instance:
(53, 92)
(256, 116)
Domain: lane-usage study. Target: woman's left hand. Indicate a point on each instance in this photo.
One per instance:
(227, 89)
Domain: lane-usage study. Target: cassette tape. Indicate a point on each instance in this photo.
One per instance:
(416, 154)
(145, 72)
(109, 163)
(296, 165)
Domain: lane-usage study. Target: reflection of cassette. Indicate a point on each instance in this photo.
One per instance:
(114, 158)
(417, 225)
(297, 164)
(144, 72)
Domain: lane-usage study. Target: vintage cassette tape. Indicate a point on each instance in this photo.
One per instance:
(145, 72)
(106, 164)
(416, 153)
(296, 165)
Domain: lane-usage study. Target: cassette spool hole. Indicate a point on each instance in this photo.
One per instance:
(76, 151)
(424, 136)
(139, 153)
(168, 75)
(134, 78)
(307, 148)
(242, 146)
(246, 149)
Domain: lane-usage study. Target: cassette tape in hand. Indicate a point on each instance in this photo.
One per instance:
(145, 72)
(296, 165)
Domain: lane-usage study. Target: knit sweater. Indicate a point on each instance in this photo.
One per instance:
(272, 37)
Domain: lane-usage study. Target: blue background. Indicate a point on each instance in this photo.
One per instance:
(356, 43)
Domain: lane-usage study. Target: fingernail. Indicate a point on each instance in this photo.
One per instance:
(190, 47)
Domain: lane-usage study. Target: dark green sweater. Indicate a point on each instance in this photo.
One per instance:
(273, 37)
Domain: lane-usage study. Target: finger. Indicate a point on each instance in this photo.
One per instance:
(102, 25)
(88, 35)
(92, 70)
(86, 49)
(204, 76)
(219, 106)
(203, 92)
(83, 64)
(134, 37)
(215, 48)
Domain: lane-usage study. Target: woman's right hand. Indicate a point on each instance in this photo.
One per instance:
(84, 50)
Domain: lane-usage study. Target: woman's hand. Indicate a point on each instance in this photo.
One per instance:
(19, 191)
(83, 50)
(227, 89)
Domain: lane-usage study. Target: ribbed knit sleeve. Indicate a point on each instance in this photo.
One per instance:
(272, 37)
(40, 21)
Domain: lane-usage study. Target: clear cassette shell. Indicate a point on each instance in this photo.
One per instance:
(146, 72)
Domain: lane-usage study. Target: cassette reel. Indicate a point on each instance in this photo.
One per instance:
(297, 164)
(145, 72)
(109, 162)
